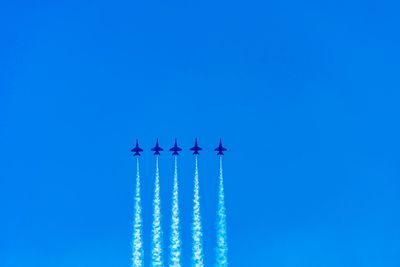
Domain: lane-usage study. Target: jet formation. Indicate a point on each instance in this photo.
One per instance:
(176, 149)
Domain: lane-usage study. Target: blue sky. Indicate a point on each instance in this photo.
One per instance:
(305, 95)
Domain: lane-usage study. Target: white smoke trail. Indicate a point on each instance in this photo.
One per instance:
(157, 255)
(175, 246)
(222, 246)
(197, 235)
(137, 255)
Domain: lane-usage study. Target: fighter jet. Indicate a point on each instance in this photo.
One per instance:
(175, 149)
(220, 148)
(157, 149)
(196, 148)
(137, 149)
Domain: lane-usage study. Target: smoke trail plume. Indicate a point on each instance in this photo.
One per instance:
(137, 255)
(222, 246)
(175, 246)
(197, 235)
(157, 255)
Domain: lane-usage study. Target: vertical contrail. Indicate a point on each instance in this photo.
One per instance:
(222, 246)
(156, 257)
(197, 260)
(137, 255)
(175, 246)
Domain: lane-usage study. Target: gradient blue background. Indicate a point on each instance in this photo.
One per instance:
(304, 93)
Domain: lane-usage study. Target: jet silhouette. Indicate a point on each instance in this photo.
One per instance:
(196, 148)
(137, 149)
(175, 149)
(157, 149)
(220, 148)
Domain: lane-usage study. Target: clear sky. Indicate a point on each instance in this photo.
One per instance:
(305, 95)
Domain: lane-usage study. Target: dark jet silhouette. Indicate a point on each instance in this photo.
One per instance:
(157, 149)
(196, 148)
(220, 148)
(137, 149)
(175, 149)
